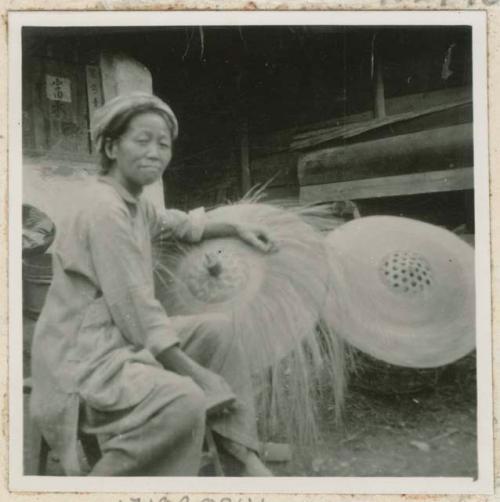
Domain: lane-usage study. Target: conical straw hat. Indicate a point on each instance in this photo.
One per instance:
(273, 299)
(274, 303)
(402, 291)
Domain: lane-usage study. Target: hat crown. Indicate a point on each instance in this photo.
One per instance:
(406, 272)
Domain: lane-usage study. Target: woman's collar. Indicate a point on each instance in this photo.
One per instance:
(122, 191)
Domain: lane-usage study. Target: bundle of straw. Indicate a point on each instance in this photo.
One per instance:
(274, 301)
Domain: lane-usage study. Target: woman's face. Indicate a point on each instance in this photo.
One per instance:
(142, 152)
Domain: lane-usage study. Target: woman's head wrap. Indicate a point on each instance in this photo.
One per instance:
(115, 114)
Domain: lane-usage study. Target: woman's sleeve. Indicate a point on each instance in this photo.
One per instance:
(168, 223)
(123, 278)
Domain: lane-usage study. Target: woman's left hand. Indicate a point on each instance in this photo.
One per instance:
(257, 237)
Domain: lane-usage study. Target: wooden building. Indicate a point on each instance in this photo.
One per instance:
(378, 115)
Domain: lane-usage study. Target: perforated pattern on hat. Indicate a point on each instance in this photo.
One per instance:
(406, 272)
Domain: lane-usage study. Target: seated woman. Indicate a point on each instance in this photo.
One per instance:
(107, 359)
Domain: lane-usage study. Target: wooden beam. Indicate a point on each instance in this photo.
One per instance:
(440, 114)
(278, 141)
(431, 149)
(390, 186)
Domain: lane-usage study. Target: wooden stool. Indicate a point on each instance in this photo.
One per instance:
(89, 443)
(90, 447)
(92, 450)
(211, 455)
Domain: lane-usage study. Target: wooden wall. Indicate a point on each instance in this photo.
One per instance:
(436, 134)
(56, 109)
(60, 95)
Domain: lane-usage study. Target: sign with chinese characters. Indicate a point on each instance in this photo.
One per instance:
(58, 88)
(94, 89)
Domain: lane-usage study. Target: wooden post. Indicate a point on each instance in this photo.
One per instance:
(246, 182)
(378, 90)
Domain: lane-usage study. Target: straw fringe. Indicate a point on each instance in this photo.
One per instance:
(293, 355)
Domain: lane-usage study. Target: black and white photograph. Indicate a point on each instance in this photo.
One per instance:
(251, 246)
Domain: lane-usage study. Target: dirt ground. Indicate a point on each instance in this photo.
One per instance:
(430, 431)
(396, 423)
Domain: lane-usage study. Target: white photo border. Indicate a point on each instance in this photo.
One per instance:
(339, 485)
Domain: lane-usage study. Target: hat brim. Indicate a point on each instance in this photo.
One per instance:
(429, 320)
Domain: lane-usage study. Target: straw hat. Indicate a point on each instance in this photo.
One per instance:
(273, 299)
(274, 303)
(402, 291)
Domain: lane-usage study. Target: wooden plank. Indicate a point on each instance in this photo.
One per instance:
(279, 141)
(57, 104)
(429, 150)
(68, 119)
(452, 116)
(28, 129)
(390, 186)
(353, 130)
(34, 74)
(401, 104)
(420, 101)
(95, 97)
